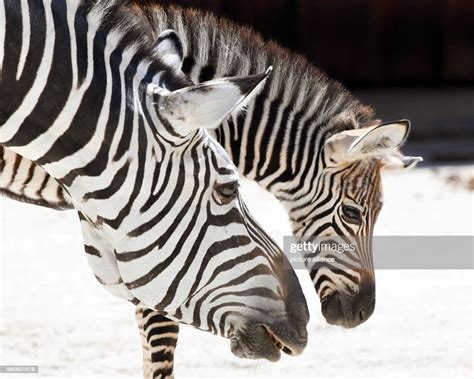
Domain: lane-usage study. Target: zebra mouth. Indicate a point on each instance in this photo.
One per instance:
(277, 342)
(257, 340)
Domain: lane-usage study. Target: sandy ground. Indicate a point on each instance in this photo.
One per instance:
(54, 314)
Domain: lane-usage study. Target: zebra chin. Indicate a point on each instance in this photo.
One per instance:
(261, 341)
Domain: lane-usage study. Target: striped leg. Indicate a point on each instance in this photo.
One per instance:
(159, 338)
(147, 371)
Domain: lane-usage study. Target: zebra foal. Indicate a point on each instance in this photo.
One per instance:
(87, 96)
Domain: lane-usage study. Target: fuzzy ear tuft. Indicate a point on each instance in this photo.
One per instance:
(397, 161)
(169, 48)
(380, 139)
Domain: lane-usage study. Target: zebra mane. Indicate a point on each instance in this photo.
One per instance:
(123, 16)
(238, 50)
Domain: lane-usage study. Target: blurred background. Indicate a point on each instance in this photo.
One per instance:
(409, 59)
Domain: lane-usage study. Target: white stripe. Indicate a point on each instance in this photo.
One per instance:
(259, 136)
(25, 39)
(71, 16)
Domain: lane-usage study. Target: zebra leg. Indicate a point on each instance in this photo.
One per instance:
(147, 371)
(159, 338)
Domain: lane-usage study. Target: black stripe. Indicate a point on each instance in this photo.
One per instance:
(31, 173)
(207, 73)
(2, 159)
(188, 64)
(117, 183)
(91, 250)
(16, 165)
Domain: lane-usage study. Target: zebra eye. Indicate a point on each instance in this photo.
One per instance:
(227, 191)
(351, 214)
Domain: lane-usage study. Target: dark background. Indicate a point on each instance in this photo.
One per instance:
(367, 42)
(409, 59)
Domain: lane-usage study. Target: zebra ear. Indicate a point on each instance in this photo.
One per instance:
(169, 48)
(207, 104)
(380, 139)
(354, 144)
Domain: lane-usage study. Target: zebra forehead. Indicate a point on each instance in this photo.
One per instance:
(362, 178)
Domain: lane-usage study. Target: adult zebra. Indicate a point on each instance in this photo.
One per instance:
(86, 97)
(297, 141)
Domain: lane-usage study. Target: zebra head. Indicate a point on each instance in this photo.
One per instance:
(342, 212)
(234, 281)
(218, 270)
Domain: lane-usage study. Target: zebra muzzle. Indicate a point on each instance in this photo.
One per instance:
(261, 341)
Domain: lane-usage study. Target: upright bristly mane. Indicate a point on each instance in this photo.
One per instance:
(237, 50)
(124, 18)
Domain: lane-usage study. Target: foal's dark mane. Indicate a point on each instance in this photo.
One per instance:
(238, 50)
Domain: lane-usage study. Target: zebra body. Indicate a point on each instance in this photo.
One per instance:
(86, 96)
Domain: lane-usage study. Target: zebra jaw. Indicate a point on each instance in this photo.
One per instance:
(260, 341)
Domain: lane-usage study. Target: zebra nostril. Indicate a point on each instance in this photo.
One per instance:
(366, 312)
